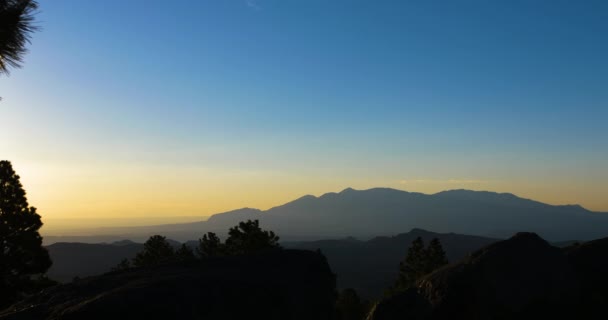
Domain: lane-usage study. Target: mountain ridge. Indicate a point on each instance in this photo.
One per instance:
(386, 211)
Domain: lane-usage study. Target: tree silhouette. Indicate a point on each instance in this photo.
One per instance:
(248, 237)
(418, 263)
(350, 307)
(124, 264)
(184, 253)
(21, 253)
(435, 255)
(16, 26)
(157, 250)
(210, 246)
(413, 266)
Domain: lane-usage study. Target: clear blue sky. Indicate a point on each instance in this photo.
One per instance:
(312, 96)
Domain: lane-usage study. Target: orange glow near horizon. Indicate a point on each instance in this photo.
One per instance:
(122, 196)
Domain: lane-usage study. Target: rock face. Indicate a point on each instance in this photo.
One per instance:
(519, 278)
(590, 261)
(404, 305)
(284, 284)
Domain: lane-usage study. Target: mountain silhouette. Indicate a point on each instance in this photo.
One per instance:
(383, 211)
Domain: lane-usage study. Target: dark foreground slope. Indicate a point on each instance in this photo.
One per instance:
(372, 266)
(520, 278)
(86, 259)
(287, 284)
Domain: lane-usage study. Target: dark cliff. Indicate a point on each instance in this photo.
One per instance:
(520, 278)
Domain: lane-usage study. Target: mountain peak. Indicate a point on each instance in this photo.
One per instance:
(373, 190)
(242, 214)
(125, 242)
(308, 196)
(419, 231)
(472, 194)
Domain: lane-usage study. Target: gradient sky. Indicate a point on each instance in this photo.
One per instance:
(148, 109)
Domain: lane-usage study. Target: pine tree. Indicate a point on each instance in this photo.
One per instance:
(210, 245)
(21, 252)
(435, 256)
(412, 267)
(157, 250)
(419, 262)
(248, 237)
(16, 25)
(184, 253)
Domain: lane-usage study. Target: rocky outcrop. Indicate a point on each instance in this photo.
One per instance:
(404, 305)
(590, 262)
(520, 278)
(284, 284)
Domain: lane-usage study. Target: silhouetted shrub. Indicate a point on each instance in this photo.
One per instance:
(184, 253)
(245, 238)
(124, 264)
(157, 250)
(210, 245)
(248, 237)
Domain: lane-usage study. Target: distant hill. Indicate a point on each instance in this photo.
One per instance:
(72, 259)
(368, 266)
(85, 259)
(371, 266)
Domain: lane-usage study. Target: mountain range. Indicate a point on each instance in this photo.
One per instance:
(383, 211)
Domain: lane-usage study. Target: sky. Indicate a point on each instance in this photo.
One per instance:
(144, 110)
